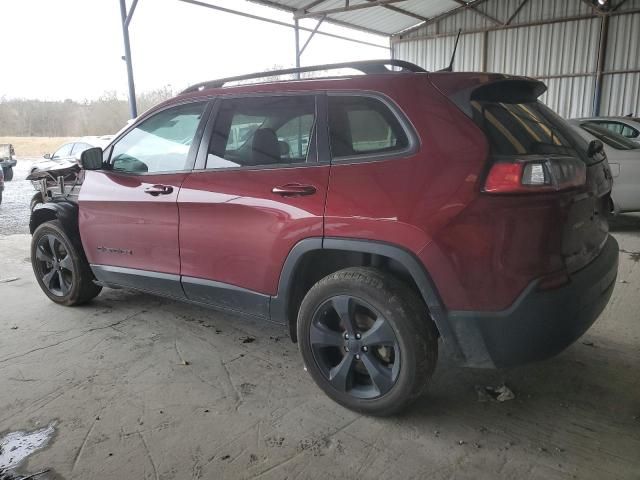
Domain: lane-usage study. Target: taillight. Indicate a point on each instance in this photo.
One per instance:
(521, 176)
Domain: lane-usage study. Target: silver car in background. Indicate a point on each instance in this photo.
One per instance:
(628, 127)
(69, 153)
(60, 174)
(624, 159)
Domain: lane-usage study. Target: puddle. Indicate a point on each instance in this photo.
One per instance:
(15, 447)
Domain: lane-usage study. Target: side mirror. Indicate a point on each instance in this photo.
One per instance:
(91, 159)
(595, 147)
(47, 156)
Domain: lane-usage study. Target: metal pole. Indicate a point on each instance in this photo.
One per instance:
(297, 30)
(602, 53)
(133, 110)
(485, 52)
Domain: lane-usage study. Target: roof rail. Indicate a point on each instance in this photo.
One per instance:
(366, 66)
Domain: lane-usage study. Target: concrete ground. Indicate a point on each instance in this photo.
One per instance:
(141, 387)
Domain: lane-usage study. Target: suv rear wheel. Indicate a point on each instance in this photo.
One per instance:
(367, 340)
(61, 268)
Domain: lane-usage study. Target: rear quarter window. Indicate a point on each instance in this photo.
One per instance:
(364, 126)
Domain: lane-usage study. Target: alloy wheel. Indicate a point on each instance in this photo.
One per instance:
(355, 347)
(54, 265)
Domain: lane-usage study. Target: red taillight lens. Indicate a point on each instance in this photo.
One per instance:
(504, 177)
(520, 176)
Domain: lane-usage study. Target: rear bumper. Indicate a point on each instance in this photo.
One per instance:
(539, 324)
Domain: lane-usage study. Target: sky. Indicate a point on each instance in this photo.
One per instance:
(72, 49)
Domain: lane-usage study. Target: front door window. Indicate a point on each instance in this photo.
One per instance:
(159, 144)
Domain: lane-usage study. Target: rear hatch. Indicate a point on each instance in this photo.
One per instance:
(533, 151)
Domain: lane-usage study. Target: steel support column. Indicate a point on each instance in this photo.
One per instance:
(126, 19)
(602, 55)
(297, 31)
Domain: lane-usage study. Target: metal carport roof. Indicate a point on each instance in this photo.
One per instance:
(382, 17)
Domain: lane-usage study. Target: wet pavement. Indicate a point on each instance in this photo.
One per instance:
(14, 209)
(15, 447)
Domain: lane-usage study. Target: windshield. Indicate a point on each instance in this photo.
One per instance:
(522, 129)
(614, 140)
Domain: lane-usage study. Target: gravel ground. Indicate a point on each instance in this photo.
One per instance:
(14, 209)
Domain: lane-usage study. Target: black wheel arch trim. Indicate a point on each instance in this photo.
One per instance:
(64, 210)
(280, 304)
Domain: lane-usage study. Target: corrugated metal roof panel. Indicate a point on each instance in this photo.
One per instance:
(378, 18)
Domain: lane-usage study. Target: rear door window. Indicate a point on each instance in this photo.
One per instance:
(363, 126)
(262, 131)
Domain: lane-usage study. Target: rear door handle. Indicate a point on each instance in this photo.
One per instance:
(294, 190)
(156, 190)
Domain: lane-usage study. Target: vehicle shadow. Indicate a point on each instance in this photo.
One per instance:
(625, 222)
(575, 407)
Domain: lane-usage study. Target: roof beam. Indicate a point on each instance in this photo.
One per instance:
(592, 5)
(404, 12)
(277, 22)
(304, 47)
(472, 6)
(399, 39)
(442, 16)
(346, 8)
(340, 23)
(312, 4)
(622, 2)
(132, 10)
(516, 11)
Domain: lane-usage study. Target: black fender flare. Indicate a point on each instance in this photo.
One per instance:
(280, 304)
(65, 211)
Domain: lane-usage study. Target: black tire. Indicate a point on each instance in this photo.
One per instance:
(35, 200)
(61, 269)
(368, 298)
(8, 174)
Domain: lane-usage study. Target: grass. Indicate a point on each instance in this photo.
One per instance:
(34, 146)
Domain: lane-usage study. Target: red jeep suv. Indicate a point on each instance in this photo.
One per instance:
(373, 214)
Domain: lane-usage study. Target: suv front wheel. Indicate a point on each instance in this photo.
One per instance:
(60, 266)
(367, 340)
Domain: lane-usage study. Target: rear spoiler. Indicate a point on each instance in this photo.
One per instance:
(490, 88)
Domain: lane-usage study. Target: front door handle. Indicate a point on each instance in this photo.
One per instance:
(294, 190)
(156, 190)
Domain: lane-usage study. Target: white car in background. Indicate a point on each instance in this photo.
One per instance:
(69, 153)
(628, 127)
(624, 159)
(63, 166)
